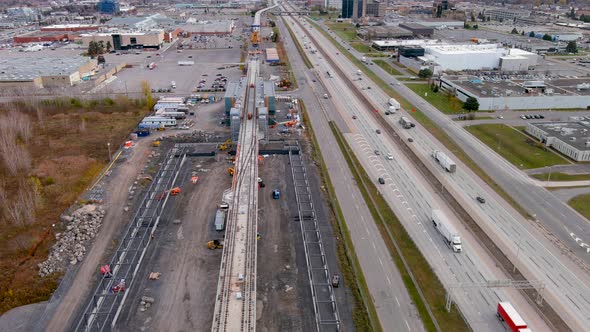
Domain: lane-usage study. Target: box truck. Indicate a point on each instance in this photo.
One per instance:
(444, 227)
(510, 316)
(443, 160)
(393, 104)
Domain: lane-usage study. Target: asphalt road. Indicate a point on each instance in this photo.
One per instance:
(413, 199)
(535, 255)
(387, 289)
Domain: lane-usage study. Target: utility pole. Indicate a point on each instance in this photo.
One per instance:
(109, 147)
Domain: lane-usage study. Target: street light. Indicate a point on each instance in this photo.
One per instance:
(549, 175)
(109, 147)
(516, 260)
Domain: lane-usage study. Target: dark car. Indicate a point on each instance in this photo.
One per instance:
(354, 117)
(381, 180)
(378, 131)
(480, 199)
(410, 139)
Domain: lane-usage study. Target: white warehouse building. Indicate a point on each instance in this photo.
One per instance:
(477, 57)
(570, 138)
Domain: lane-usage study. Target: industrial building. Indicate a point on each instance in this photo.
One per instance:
(208, 28)
(376, 8)
(272, 56)
(478, 57)
(141, 23)
(44, 72)
(516, 94)
(42, 37)
(417, 29)
(70, 27)
(383, 32)
(127, 40)
(504, 14)
(571, 139)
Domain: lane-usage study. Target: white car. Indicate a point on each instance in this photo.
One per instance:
(389, 156)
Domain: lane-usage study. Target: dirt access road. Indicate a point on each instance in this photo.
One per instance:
(116, 194)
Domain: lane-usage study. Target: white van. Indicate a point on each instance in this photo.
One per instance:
(173, 84)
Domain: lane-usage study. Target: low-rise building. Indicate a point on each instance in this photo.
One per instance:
(417, 29)
(153, 39)
(569, 138)
(383, 32)
(43, 72)
(208, 28)
(504, 14)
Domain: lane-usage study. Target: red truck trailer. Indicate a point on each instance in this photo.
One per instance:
(510, 316)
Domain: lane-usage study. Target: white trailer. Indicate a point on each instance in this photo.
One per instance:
(444, 227)
(157, 122)
(174, 115)
(179, 100)
(162, 105)
(186, 63)
(394, 103)
(447, 163)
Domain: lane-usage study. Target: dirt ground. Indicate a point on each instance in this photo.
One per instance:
(185, 293)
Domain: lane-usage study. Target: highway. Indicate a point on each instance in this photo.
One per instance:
(387, 290)
(235, 305)
(535, 256)
(409, 195)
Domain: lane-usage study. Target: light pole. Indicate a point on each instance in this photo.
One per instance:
(109, 147)
(549, 175)
(516, 260)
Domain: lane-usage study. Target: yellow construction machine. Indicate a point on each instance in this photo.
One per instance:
(225, 145)
(215, 244)
(231, 171)
(255, 39)
(156, 143)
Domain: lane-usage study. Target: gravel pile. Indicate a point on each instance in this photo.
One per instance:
(81, 226)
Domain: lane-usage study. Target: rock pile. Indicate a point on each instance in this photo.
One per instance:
(146, 303)
(81, 226)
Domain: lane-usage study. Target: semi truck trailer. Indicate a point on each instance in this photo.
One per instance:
(444, 227)
(443, 160)
(510, 316)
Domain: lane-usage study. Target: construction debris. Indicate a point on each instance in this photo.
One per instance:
(146, 302)
(81, 226)
(155, 275)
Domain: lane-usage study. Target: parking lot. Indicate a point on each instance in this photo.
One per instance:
(207, 64)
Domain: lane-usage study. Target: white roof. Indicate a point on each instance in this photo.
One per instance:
(516, 319)
(411, 42)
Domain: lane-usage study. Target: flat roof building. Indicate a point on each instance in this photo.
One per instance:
(70, 27)
(503, 14)
(417, 29)
(127, 40)
(569, 138)
(43, 72)
(383, 32)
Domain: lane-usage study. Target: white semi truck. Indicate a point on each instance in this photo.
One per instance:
(447, 163)
(444, 227)
(393, 105)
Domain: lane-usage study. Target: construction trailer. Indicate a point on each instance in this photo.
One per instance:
(220, 220)
(154, 122)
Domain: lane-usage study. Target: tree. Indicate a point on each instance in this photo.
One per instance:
(472, 17)
(471, 104)
(514, 31)
(547, 37)
(522, 33)
(532, 34)
(425, 73)
(475, 27)
(93, 49)
(571, 47)
(466, 25)
(109, 46)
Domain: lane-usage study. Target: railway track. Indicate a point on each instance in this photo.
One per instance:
(544, 309)
(235, 308)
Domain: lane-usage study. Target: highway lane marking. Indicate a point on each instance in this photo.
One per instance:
(389, 282)
(380, 261)
(408, 325)
(396, 300)
(374, 247)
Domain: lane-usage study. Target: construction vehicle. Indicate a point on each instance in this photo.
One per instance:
(215, 244)
(255, 39)
(225, 145)
(173, 192)
(231, 171)
(276, 194)
(249, 115)
(156, 143)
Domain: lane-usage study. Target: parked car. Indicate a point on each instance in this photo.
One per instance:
(389, 156)
(381, 180)
(377, 152)
(480, 199)
(354, 117)
(335, 280)
(378, 131)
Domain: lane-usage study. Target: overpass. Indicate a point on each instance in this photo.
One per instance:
(235, 302)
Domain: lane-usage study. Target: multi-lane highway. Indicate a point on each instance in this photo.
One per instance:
(387, 290)
(566, 284)
(410, 197)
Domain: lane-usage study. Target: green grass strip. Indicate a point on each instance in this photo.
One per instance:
(581, 204)
(428, 124)
(424, 287)
(387, 67)
(364, 314)
(561, 177)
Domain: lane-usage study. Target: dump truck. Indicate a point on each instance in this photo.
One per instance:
(215, 244)
(510, 316)
(444, 161)
(444, 227)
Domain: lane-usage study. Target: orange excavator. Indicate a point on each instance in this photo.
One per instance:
(173, 192)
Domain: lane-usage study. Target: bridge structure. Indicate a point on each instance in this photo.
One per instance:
(235, 302)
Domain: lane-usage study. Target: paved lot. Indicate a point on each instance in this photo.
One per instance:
(207, 62)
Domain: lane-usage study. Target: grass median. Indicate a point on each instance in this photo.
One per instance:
(427, 292)
(581, 204)
(428, 124)
(387, 67)
(517, 148)
(442, 101)
(364, 313)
